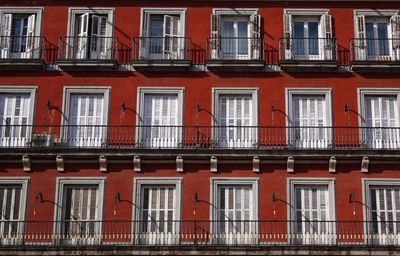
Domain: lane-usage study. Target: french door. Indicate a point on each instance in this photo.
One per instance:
(164, 41)
(235, 223)
(14, 120)
(158, 220)
(385, 215)
(80, 223)
(312, 216)
(306, 45)
(235, 121)
(11, 226)
(18, 40)
(86, 120)
(161, 121)
(235, 43)
(310, 121)
(381, 113)
(377, 38)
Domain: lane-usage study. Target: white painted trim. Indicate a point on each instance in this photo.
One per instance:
(142, 91)
(139, 182)
(218, 91)
(218, 181)
(290, 92)
(31, 90)
(363, 92)
(24, 182)
(38, 11)
(62, 181)
(165, 11)
(235, 11)
(73, 11)
(292, 182)
(68, 90)
(306, 12)
(371, 12)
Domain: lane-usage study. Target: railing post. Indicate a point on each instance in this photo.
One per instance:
(195, 232)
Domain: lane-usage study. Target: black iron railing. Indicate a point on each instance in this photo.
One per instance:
(161, 48)
(225, 137)
(375, 49)
(317, 49)
(88, 48)
(171, 232)
(250, 137)
(234, 48)
(22, 47)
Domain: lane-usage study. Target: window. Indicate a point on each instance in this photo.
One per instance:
(87, 117)
(159, 212)
(383, 210)
(235, 213)
(162, 35)
(16, 116)
(79, 217)
(161, 117)
(12, 209)
(309, 118)
(236, 113)
(308, 35)
(377, 33)
(90, 34)
(20, 33)
(235, 34)
(313, 211)
(380, 109)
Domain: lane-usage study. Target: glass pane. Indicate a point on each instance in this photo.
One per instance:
(298, 41)
(313, 47)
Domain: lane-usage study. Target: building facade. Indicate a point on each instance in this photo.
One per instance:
(227, 127)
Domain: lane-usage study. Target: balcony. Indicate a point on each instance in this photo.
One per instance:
(94, 53)
(244, 233)
(308, 54)
(22, 52)
(161, 53)
(201, 137)
(235, 54)
(375, 55)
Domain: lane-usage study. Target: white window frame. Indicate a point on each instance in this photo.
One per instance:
(291, 92)
(380, 13)
(23, 89)
(226, 181)
(146, 12)
(73, 12)
(69, 91)
(366, 184)
(24, 182)
(61, 182)
(142, 91)
(138, 184)
(38, 11)
(363, 92)
(291, 183)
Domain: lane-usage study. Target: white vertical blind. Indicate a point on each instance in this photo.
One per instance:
(81, 32)
(99, 44)
(235, 117)
(309, 116)
(10, 210)
(14, 115)
(6, 22)
(86, 117)
(160, 119)
(381, 114)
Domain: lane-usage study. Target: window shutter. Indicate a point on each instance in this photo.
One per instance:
(360, 44)
(326, 33)
(81, 33)
(287, 21)
(171, 34)
(395, 27)
(255, 32)
(30, 39)
(215, 40)
(6, 22)
(99, 47)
